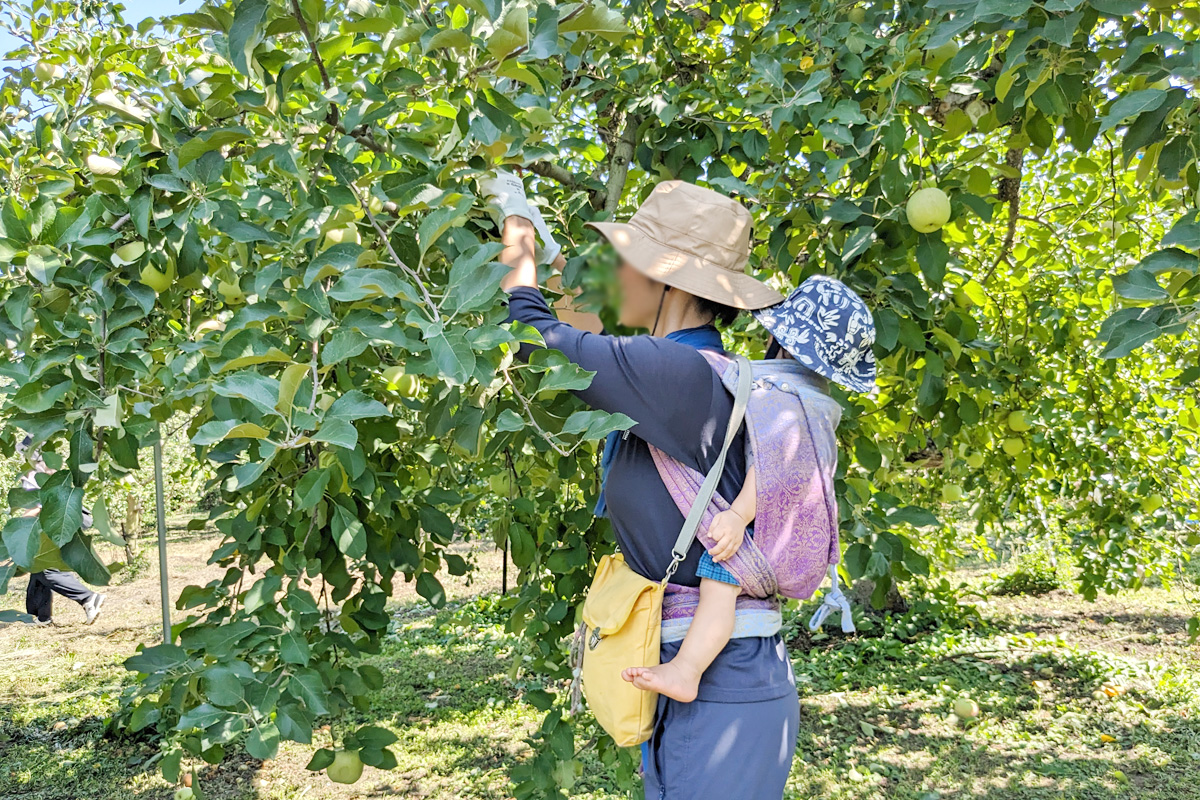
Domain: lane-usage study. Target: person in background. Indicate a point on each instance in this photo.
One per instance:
(39, 596)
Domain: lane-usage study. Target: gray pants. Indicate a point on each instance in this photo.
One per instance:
(720, 751)
(39, 597)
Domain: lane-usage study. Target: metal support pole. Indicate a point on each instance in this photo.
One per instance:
(161, 514)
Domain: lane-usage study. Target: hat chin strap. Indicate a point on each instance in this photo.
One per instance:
(658, 314)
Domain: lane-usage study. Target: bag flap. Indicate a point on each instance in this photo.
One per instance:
(614, 593)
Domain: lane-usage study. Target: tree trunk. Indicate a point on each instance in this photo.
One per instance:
(132, 525)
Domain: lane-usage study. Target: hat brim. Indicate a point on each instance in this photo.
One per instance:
(685, 271)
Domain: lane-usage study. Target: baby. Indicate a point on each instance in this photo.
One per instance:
(827, 330)
(713, 623)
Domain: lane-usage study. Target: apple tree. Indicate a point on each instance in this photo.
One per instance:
(263, 215)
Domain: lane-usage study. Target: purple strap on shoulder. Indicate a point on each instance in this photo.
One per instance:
(795, 531)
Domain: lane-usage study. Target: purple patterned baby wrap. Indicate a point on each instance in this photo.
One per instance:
(795, 531)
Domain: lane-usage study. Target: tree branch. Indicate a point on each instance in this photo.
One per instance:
(316, 54)
(619, 159)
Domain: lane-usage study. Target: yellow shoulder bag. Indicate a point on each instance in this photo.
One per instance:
(622, 616)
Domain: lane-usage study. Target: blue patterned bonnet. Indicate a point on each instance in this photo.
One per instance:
(825, 326)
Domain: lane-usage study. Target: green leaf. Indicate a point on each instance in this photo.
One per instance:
(293, 375)
(294, 648)
(475, 279)
(259, 390)
(34, 398)
(367, 284)
(440, 220)
(565, 377)
(1184, 233)
(211, 140)
(306, 685)
(337, 432)
(82, 558)
(263, 741)
(311, 488)
(222, 686)
(320, 760)
(356, 405)
(156, 659)
(912, 515)
(1131, 105)
(22, 538)
(595, 18)
(103, 525)
(1139, 285)
(246, 33)
(431, 589)
(348, 532)
(345, 344)
(200, 717)
(62, 508)
(453, 355)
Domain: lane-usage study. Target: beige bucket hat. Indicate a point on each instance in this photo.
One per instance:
(693, 239)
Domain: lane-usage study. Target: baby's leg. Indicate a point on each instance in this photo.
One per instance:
(708, 634)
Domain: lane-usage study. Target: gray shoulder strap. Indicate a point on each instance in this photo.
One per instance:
(691, 525)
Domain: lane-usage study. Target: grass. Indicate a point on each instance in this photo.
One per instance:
(876, 712)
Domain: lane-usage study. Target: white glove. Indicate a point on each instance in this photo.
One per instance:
(505, 193)
(550, 248)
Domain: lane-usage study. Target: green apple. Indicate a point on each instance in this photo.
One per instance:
(184, 793)
(45, 71)
(398, 381)
(156, 280)
(952, 493)
(966, 708)
(103, 165)
(975, 460)
(1013, 446)
(348, 233)
(928, 210)
(938, 56)
(347, 767)
(231, 292)
(857, 15)
(1018, 422)
(131, 251)
(1153, 503)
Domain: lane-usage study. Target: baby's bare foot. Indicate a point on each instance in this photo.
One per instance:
(670, 679)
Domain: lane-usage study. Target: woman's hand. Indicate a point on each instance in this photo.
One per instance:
(728, 531)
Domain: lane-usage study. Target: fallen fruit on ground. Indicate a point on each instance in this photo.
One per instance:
(928, 210)
(966, 708)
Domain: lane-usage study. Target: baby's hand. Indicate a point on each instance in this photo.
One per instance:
(728, 529)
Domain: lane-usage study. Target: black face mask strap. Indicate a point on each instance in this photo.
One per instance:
(773, 349)
(662, 299)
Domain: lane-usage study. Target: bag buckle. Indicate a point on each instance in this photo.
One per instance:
(594, 639)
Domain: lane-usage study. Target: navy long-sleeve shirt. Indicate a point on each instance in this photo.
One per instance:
(680, 407)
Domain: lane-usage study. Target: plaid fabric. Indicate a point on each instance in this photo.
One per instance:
(707, 568)
(710, 569)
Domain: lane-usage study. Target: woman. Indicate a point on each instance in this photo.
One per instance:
(683, 259)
